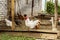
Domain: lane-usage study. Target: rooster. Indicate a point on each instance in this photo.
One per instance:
(30, 23)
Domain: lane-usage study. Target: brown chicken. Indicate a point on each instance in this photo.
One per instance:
(20, 16)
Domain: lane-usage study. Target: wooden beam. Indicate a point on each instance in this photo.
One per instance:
(44, 34)
(26, 1)
(12, 13)
(32, 7)
(56, 15)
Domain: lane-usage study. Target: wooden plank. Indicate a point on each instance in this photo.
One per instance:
(32, 8)
(31, 30)
(56, 14)
(38, 30)
(12, 13)
(45, 34)
(34, 35)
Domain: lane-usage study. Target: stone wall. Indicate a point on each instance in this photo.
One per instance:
(21, 6)
(26, 8)
(3, 9)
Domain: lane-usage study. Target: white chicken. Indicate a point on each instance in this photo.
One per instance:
(30, 23)
(8, 22)
(53, 19)
(59, 19)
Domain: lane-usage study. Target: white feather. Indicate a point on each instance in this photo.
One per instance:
(8, 22)
(31, 23)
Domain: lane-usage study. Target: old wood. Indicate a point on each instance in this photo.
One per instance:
(45, 34)
(26, 1)
(56, 15)
(32, 7)
(12, 13)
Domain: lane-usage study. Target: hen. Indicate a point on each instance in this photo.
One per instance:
(8, 22)
(30, 23)
(53, 19)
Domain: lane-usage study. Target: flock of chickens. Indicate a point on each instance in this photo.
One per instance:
(29, 23)
(17, 20)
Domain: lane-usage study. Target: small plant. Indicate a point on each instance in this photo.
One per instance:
(5, 36)
(50, 7)
(58, 9)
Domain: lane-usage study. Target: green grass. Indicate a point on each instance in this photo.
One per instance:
(9, 37)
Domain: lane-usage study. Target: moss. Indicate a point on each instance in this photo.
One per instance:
(9, 37)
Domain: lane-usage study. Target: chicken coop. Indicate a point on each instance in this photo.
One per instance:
(11, 18)
(10, 10)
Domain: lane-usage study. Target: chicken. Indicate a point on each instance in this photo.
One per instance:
(53, 19)
(59, 19)
(30, 23)
(18, 19)
(18, 22)
(50, 20)
(20, 16)
(8, 22)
